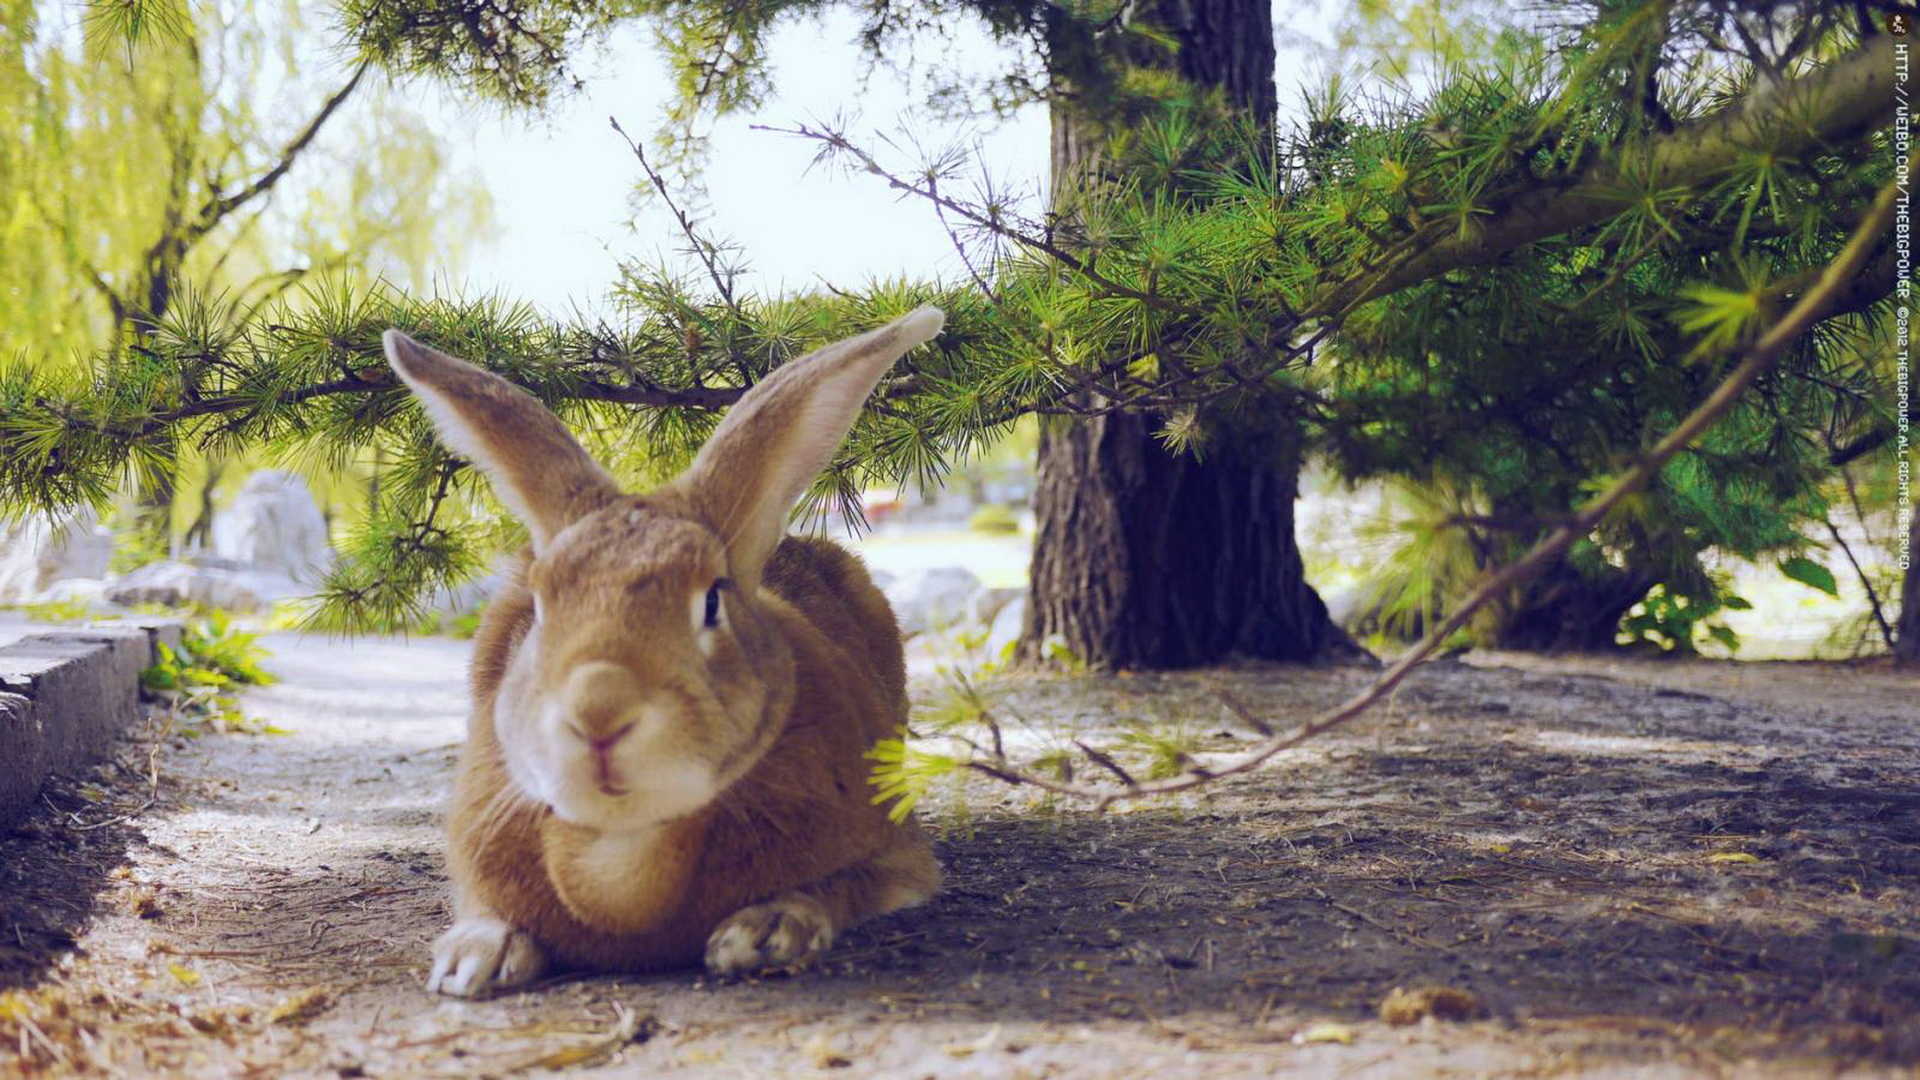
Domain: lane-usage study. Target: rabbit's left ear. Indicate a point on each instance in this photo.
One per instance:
(540, 472)
(779, 436)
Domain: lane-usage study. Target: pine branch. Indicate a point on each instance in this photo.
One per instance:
(1828, 107)
(1816, 304)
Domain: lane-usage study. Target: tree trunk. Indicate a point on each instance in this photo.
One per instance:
(1150, 559)
(1146, 559)
(1563, 610)
(1906, 638)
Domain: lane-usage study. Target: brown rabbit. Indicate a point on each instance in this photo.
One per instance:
(672, 699)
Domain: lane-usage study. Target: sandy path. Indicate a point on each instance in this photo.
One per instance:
(270, 914)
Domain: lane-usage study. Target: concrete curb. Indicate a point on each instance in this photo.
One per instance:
(64, 696)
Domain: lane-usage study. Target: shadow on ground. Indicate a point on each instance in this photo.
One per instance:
(1622, 874)
(57, 862)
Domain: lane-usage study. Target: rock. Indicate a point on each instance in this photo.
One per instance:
(86, 592)
(1007, 623)
(1344, 604)
(64, 697)
(468, 596)
(984, 606)
(37, 551)
(274, 525)
(932, 599)
(208, 584)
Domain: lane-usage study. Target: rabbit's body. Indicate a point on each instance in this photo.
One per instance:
(673, 702)
(769, 833)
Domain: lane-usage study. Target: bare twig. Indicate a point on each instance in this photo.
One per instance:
(703, 249)
(1040, 244)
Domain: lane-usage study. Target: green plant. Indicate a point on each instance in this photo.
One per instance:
(994, 518)
(60, 611)
(198, 677)
(461, 626)
(902, 774)
(1168, 745)
(1675, 622)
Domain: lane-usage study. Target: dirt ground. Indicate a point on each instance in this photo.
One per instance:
(1583, 866)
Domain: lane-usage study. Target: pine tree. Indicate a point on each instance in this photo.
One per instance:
(1314, 267)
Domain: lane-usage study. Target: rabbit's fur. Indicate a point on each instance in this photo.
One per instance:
(673, 700)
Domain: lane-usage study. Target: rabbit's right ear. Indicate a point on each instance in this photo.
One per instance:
(779, 436)
(546, 478)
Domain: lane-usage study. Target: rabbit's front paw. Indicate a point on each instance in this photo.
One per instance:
(786, 932)
(478, 957)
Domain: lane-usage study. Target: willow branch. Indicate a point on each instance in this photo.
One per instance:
(219, 206)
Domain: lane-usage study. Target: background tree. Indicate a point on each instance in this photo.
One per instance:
(1557, 359)
(1168, 291)
(1112, 576)
(1148, 555)
(148, 170)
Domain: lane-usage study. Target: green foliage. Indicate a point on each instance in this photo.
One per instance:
(157, 198)
(515, 51)
(1214, 273)
(59, 611)
(1166, 743)
(461, 627)
(215, 652)
(1677, 622)
(134, 23)
(994, 518)
(1810, 573)
(903, 773)
(198, 678)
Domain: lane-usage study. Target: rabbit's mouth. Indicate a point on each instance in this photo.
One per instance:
(612, 790)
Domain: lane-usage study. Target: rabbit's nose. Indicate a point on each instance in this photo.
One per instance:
(599, 701)
(602, 745)
(605, 776)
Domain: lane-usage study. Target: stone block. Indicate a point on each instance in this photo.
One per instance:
(65, 695)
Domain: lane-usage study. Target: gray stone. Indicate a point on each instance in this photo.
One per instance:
(274, 525)
(38, 550)
(468, 596)
(984, 606)
(64, 696)
(88, 592)
(208, 584)
(1007, 624)
(932, 599)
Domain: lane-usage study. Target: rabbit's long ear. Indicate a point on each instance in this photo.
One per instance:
(780, 435)
(537, 468)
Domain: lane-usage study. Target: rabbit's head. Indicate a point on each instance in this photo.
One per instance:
(648, 676)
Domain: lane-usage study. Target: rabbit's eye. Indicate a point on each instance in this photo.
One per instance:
(712, 617)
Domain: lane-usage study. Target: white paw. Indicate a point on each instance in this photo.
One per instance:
(784, 933)
(478, 957)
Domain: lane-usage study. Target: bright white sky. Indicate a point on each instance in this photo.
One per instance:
(561, 184)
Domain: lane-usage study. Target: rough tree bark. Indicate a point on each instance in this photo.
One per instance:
(1147, 559)
(1565, 611)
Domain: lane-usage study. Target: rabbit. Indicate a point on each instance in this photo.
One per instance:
(665, 763)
